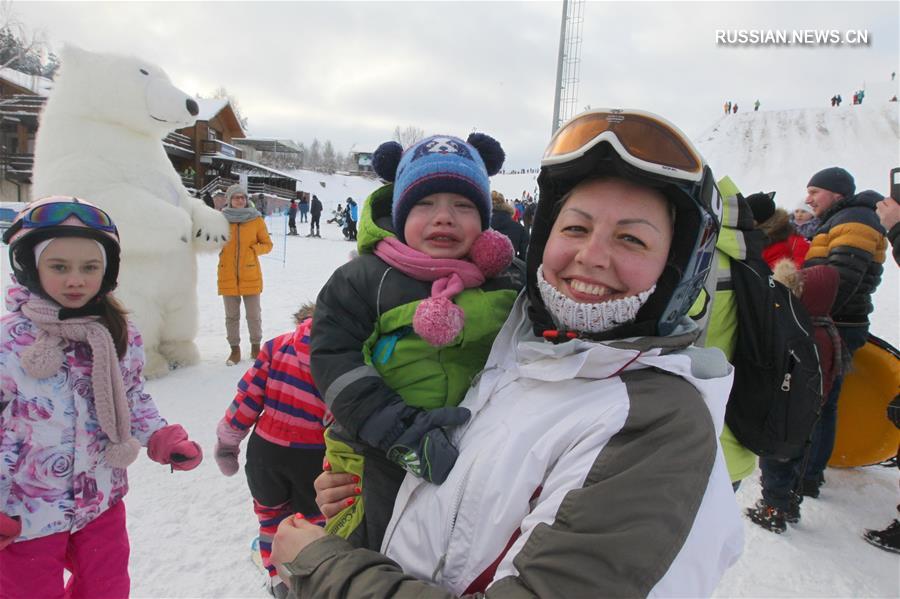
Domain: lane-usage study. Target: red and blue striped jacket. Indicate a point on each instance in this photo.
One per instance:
(278, 395)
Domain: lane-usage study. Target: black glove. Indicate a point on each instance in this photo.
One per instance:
(425, 449)
(893, 411)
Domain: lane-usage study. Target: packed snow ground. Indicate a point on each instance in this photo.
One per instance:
(191, 531)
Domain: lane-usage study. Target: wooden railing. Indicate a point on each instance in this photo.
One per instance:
(16, 166)
(281, 192)
(180, 140)
(216, 146)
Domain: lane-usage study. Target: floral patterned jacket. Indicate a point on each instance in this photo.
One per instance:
(52, 472)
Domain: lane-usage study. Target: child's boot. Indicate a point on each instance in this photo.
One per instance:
(767, 516)
(792, 514)
(235, 356)
(887, 539)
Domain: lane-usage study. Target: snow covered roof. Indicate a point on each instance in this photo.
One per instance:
(210, 107)
(268, 144)
(37, 84)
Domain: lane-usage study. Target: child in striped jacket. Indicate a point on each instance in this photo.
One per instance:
(278, 400)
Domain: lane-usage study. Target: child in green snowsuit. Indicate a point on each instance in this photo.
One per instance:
(400, 332)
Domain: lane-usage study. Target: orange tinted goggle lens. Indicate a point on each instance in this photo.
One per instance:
(643, 137)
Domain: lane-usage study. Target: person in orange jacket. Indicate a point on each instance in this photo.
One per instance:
(240, 276)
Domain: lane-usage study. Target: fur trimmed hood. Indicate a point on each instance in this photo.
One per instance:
(777, 227)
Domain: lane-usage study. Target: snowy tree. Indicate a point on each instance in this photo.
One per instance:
(20, 48)
(328, 157)
(408, 135)
(222, 92)
(314, 160)
(51, 66)
(303, 154)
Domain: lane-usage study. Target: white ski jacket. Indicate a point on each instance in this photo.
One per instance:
(587, 470)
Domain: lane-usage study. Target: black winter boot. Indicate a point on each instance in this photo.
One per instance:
(767, 516)
(887, 539)
(792, 514)
(810, 487)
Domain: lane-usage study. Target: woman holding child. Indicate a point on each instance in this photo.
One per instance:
(590, 465)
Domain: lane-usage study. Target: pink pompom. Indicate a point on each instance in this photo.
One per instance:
(438, 321)
(42, 360)
(492, 252)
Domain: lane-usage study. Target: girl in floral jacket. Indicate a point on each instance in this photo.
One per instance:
(73, 411)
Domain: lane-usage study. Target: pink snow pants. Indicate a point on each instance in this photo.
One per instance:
(96, 555)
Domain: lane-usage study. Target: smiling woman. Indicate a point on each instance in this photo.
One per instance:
(590, 465)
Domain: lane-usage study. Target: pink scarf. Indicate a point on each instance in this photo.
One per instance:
(437, 319)
(45, 358)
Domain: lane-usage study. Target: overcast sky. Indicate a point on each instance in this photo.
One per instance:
(353, 71)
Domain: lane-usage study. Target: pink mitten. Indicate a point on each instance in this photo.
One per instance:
(170, 445)
(10, 528)
(227, 448)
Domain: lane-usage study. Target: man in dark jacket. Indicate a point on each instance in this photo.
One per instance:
(502, 221)
(315, 211)
(850, 239)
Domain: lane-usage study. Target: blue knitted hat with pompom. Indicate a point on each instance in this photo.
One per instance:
(439, 164)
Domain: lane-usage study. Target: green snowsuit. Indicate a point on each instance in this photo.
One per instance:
(365, 354)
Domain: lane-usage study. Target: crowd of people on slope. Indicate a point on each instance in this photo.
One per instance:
(437, 357)
(732, 107)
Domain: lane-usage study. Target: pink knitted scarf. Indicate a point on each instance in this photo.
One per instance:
(437, 319)
(45, 358)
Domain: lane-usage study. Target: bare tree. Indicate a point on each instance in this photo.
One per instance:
(408, 135)
(328, 157)
(28, 47)
(221, 92)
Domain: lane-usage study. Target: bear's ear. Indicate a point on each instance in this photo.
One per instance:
(490, 151)
(71, 54)
(386, 159)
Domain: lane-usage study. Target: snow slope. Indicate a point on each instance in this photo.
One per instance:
(191, 532)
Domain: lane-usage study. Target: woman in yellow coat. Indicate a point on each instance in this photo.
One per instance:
(240, 276)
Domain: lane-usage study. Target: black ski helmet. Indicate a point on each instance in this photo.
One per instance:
(60, 216)
(643, 148)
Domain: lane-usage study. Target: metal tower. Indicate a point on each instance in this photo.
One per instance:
(568, 66)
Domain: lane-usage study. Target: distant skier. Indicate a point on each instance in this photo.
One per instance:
(734, 108)
(756, 106)
(292, 218)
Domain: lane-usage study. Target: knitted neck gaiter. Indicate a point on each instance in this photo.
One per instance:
(437, 319)
(570, 315)
(45, 358)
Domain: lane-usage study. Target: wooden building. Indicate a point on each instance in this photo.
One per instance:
(204, 153)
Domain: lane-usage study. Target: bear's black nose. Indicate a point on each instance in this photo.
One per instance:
(192, 107)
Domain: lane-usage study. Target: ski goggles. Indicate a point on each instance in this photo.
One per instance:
(55, 213)
(644, 140)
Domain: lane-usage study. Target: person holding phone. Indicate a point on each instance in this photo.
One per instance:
(888, 211)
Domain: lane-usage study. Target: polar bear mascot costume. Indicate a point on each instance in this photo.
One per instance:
(100, 138)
